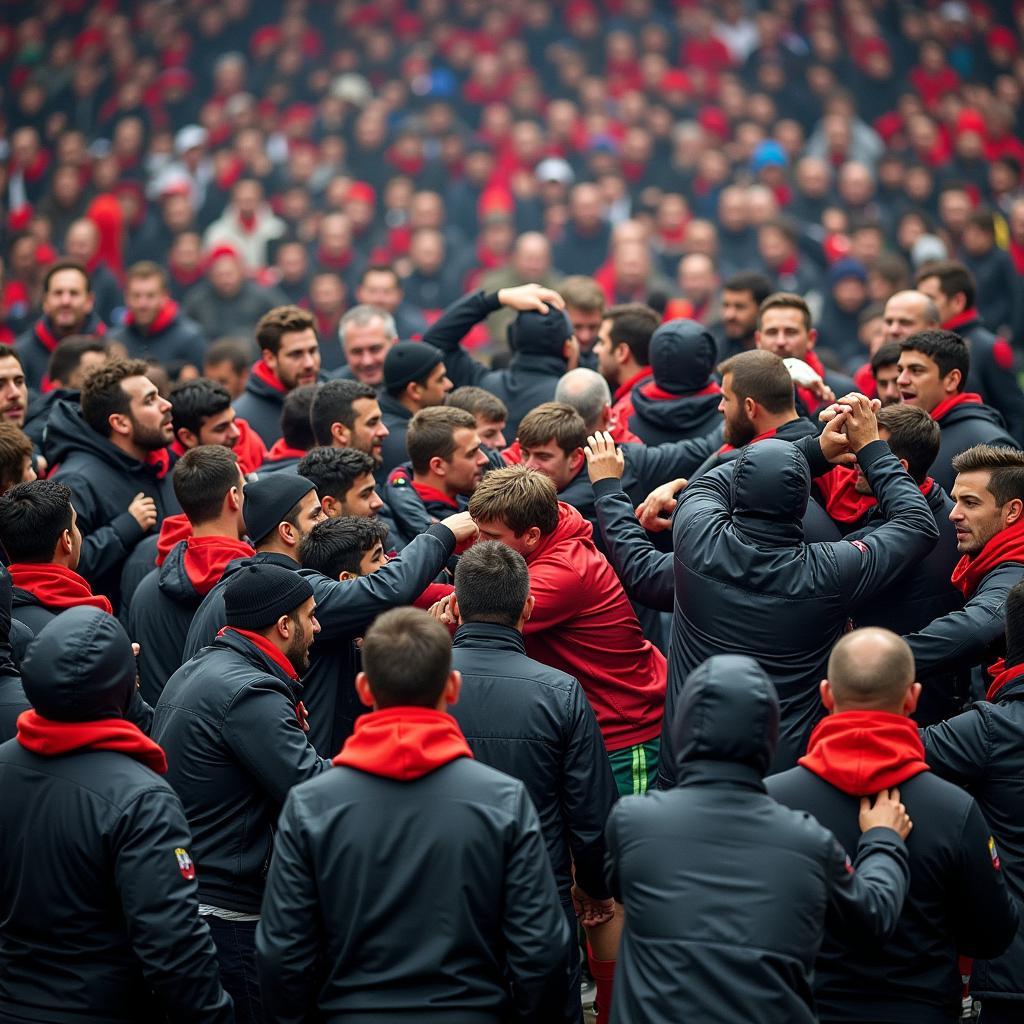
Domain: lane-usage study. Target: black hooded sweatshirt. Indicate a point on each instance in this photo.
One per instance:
(98, 893)
(962, 426)
(726, 891)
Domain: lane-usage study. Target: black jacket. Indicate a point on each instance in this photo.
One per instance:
(410, 513)
(983, 750)
(35, 346)
(344, 611)
(177, 342)
(12, 697)
(97, 895)
(103, 482)
(534, 723)
(219, 317)
(659, 417)
(961, 428)
(577, 253)
(957, 903)
(40, 405)
(992, 373)
(747, 583)
(433, 898)
(726, 891)
(529, 380)
(396, 418)
(235, 747)
(260, 405)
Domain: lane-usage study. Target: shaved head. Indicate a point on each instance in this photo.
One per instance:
(870, 669)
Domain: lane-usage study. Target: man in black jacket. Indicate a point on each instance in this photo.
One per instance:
(98, 892)
(541, 338)
(296, 431)
(289, 358)
(534, 723)
(466, 870)
(934, 366)
(740, 558)
(112, 454)
(983, 750)
(232, 723)
(725, 890)
(957, 903)
(208, 485)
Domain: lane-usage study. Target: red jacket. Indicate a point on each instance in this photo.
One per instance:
(583, 624)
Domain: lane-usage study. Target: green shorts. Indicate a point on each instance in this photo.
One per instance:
(636, 768)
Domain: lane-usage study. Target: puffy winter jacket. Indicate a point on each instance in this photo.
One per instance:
(747, 583)
(172, 339)
(726, 891)
(395, 417)
(35, 346)
(262, 402)
(963, 426)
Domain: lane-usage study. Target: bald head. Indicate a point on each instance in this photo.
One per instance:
(871, 669)
(908, 312)
(588, 393)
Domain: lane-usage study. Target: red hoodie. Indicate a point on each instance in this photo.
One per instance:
(54, 739)
(403, 743)
(583, 624)
(205, 558)
(862, 752)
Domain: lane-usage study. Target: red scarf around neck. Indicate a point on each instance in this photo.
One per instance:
(259, 641)
(964, 398)
(1006, 546)
(262, 372)
(48, 738)
(281, 450)
(164, 318)
(56, 587)
(1001, 676)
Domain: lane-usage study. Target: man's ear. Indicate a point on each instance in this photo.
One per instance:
(452, 687)
(66, 542)
(621, 353)
(234, 499)
(269, 358)
(576, 460)
(344, 576)
(287, 534)
(951, 382)
(910, 699)
(331, 506)
(454, 605)
(340, 435)
(1014, 508)
(827, 696)
(532, 537)
(186, 438)
(528, 607)
(438, 466)
(751, 408)
(905, 464)
(120, 424)
(283, 627)
(363, 690)
(812, 337)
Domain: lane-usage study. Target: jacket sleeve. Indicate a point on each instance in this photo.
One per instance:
(534, 926)
(984, 917)
(961, 637)
(907, 533)
(290, 933)
(263, 732)
(159, 897)
(657, 464)
(646, 573)
(588, 795)
(139, 712)
(959, 750)
(452, 326)
(611, 850)
(556, 590)
(343, 609)
(867, 896)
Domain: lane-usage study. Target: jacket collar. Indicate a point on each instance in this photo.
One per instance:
(490, 636)
(714, 773)
(238, 640)
(537, 365)
(392, 405)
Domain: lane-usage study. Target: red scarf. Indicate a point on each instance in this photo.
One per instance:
(753, 440)
(1001, 675)
(842, 503)
(403, 743)
(205, 559)
(626, 388)
(810, 400)
(862, 752)
(160, 462)
(249, 448)
(1006, 546)
(657, 394)
(262, 372)
(56, 587)
(964, 398)
(281, 450)
(260, 641)
(966, 317)
(164, 318)
(428, 493)
(52, 739)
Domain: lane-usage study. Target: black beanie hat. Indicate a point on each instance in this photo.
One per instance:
(408, 361)
(267, 500)
(541, 334)
(257, 595)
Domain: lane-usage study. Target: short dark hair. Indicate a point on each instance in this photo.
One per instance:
(762, 376)
(431, 434)
(947, 350)
(201, 479)
(103, 396)
(338, 545)
(983, 219)
(887, 355)
(785, 300)
(333, 471)
(279, 321)
(236, 351)
(67, 356)
(632, 325)
(333, 404)
(913, 435)
(1005, 467)
(380, 268)
(295, 411)
(478, 401)
(553, 421)
(954, 279)
(492, 584)
(407, 658)
(146, 269)
(32, 518)
(759, 285)
(56, 268)
(15, 448)
(195, 401)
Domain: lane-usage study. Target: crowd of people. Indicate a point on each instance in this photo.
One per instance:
(511, 508)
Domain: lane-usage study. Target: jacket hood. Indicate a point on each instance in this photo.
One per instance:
(683, 355)
(771, 484)
(67, 432)
(403, 743)
(728, 711)
(570, 525)
(80, 667)
(543, 334)
(688, 415)
(264, 383)
(862, 752)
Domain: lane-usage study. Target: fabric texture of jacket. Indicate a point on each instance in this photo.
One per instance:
(396, 418)
(746, 582)
(983, 751)
(465, 857)
(227, 720)
(35, 346)
(98, 895)
(726, 891)
(103, 482)
(221, 317)
(172, 339)
(413, 507)
(660, 416)
(958, 901)
(262, 402)
(963, 426)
